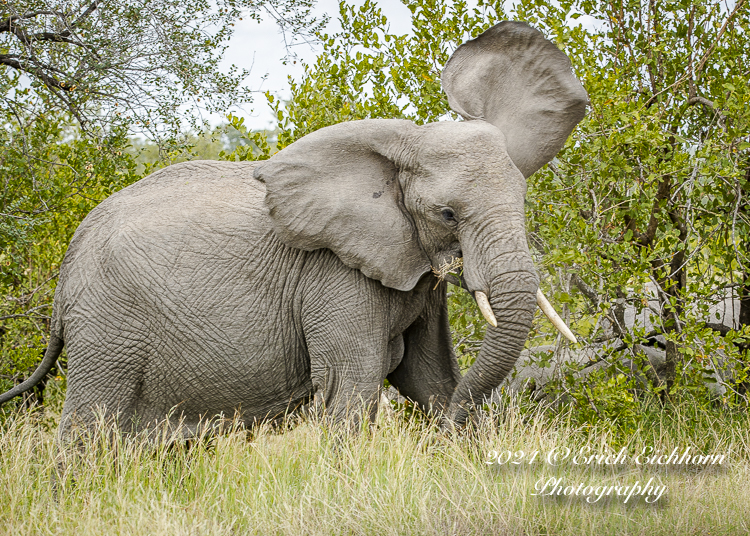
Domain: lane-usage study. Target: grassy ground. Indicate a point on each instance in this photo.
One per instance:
(399, 477)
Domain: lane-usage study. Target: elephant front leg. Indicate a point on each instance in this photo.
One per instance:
(428, 372)
(349, 359)
(348, 395)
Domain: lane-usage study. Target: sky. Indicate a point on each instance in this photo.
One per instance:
(260, 46)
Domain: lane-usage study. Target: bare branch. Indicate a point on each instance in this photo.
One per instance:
(700, 100)
(86, 13)
(27, 314)
(39, 71)
(55, 38)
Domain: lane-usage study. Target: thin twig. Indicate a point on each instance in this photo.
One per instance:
(28, 313)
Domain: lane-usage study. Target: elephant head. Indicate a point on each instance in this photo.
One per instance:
(392, 199)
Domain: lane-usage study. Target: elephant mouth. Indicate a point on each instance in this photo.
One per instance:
(447, 271)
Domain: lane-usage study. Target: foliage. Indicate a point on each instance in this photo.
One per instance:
(363, 71)
(648, 204)
(100, 70)
(603, 397)
(247, 145)
(51, 179)
(467, 324)
(227, 141)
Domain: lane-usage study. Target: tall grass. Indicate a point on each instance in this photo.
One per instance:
(400, 476)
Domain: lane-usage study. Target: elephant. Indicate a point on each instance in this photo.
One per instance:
(220, 288)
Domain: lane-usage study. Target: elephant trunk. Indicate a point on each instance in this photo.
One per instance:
(506, 274)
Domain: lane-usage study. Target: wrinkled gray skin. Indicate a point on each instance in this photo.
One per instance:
(216, 287)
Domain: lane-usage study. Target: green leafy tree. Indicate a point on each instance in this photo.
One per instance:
(50, 179)
(148, 65)
(652, 191)
(363, 71)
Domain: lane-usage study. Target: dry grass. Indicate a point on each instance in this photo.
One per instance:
(398, 477)
(455, 267)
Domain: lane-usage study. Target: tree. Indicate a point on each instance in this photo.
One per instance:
(654, 179)
(138, 63)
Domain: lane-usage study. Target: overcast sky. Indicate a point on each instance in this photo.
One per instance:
(261, 46)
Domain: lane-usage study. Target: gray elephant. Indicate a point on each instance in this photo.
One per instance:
(215, 288)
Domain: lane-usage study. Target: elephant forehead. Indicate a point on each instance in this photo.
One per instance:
(475, 147)
(477, 162)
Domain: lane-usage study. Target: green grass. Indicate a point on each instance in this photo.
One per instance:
(398, 477)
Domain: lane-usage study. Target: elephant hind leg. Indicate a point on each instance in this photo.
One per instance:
(79, 417)
(102, 392)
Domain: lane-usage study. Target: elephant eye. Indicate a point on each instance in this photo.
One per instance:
(448, 215)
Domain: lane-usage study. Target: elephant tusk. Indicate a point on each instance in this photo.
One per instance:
(548, 310)
(484, 306)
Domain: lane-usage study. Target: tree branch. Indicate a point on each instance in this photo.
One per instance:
(56, 38)
(27, 314)
(12, 60)
(700, 100)
(7, 24)
(650, 338)
(703, 60)
(646, 238)
(585, 289)
(720, 328)
(86, 13)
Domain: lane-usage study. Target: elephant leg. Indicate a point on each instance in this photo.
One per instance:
(350, 393)
(104, 385)
(83, 410)
(349, 355)
(349, 374)
(347, 397)
(428, 372)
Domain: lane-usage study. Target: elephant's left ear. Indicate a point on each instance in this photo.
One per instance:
(338, 188)
(514, 78)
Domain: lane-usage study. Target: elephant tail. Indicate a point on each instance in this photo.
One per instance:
(54, 348)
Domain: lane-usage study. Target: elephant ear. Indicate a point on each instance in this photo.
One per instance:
(514, 78)
(338, 188)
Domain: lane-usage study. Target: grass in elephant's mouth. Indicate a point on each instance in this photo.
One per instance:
(454, 266)
(398, 477)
